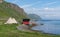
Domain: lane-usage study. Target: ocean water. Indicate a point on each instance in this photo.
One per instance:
(52, 27)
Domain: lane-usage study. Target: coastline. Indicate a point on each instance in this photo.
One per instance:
(11, 31)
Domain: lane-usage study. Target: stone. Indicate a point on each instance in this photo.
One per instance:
(23, 27)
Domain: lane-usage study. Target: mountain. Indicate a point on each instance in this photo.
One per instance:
(34, 16)
(11, 10)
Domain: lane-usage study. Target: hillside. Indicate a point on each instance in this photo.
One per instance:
(34, 16)
(11, 10)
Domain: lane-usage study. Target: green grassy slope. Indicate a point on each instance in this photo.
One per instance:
(7, 10)
(11, 31)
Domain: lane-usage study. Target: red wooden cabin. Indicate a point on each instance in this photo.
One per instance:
(26, 21)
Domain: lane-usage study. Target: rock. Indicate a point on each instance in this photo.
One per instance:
(23, 27)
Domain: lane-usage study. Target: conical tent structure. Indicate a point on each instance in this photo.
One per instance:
(11, 21)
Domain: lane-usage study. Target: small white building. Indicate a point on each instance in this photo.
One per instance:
(11, 21)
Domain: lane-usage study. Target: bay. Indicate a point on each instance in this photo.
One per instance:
(52, 27)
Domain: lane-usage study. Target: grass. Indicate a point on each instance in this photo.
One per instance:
(11, 31)
(7, 11)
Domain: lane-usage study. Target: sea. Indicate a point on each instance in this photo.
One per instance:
(50, 26)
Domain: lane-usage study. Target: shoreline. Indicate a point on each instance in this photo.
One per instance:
(43, 32)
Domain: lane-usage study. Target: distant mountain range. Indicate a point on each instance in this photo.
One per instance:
(34, 16)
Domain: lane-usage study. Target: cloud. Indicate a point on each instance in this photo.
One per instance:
(45, 13)
(47, 9)
(15, 1)
(29, 5)
(50, 3)
(52, 9)
(44, 9)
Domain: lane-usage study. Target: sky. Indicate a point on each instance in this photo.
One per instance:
(46, 9)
